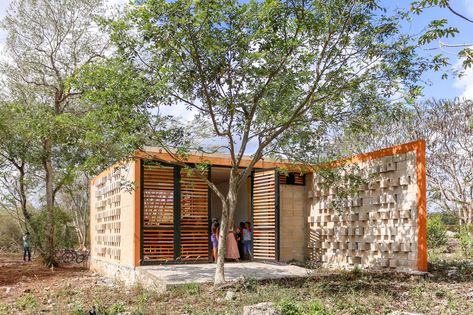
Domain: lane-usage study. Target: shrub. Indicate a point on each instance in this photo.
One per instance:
(317, 308)
(287, 307)
(466, 241)
(436, 231)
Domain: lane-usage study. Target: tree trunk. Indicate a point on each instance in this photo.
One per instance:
(228, 212)
(48, 168)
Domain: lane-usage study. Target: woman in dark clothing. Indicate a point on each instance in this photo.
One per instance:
(240, 238)
(214, 238)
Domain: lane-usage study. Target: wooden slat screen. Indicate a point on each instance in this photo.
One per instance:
(264, 215)
(194, 219)
(158, 213)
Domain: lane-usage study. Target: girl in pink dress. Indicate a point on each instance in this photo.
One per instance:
(232, 246)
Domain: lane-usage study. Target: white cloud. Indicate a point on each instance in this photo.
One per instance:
(465, 84)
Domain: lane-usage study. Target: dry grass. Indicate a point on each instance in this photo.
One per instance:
(75, 291)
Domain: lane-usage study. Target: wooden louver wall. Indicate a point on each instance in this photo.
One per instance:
(194, 217)
(265, 215)
(158, 213)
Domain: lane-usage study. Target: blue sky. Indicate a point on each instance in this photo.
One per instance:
(453, 87)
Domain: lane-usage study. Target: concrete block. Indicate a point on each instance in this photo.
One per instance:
(395, 247)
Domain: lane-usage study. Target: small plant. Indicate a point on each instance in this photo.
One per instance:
(78, 308)
(26, 302)
(116, 308)
(466, 241)
(436, 232)
(287, 307)
(192, 288)
(317, 308)
(357, 270)
(4, 308)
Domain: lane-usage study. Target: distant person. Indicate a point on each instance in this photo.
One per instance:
(247, 240)
(239, 238)
(26, 246)
(214, 238)
(232, 245)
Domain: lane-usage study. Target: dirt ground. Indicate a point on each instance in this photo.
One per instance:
(29, 288)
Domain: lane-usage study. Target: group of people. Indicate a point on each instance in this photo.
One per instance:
(238, 241)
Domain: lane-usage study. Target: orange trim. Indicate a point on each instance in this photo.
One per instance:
(137, 225)
(91, 216)
(421, 208)
(217, 161)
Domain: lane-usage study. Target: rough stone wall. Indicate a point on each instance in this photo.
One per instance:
(377, 228)
(292, 217)
(112, 216)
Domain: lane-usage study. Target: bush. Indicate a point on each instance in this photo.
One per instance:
(287, 307)
(466, 241)
(436, 231)
(317, 308)
(10, 234)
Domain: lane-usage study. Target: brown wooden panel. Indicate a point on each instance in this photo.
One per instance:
(158, 213)
(194, 234)
(264, 215)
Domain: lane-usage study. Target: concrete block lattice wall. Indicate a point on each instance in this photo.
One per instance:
(112, 216)
(376, 228)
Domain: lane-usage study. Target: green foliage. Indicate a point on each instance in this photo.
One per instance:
(439, 29)
(287, 307)
(357, 270)
(191, 288)
(436, 232)
(466, 241)
(116, 308)
(317, 308)
(78, 308)
(26, 302)
(10, 234)
(64, 237)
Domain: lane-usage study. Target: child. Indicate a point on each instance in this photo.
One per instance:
(214, 238)
(247, 240)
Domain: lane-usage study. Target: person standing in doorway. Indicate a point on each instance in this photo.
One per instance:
(214, 238)
(247, 240)
(232, 246)
(26, 246)
(239, 238)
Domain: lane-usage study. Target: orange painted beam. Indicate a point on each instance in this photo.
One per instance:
(421, 207)
(216, 160)
(137, 207)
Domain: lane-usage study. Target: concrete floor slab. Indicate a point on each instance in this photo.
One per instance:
(204, 273)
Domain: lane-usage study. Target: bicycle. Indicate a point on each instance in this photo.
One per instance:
(82, 255)
(69, 256)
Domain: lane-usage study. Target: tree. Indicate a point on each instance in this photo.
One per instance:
(18, 175)
(75, 199)
(259, 72)
(47, 42)
(446, 126)
(439, 29)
